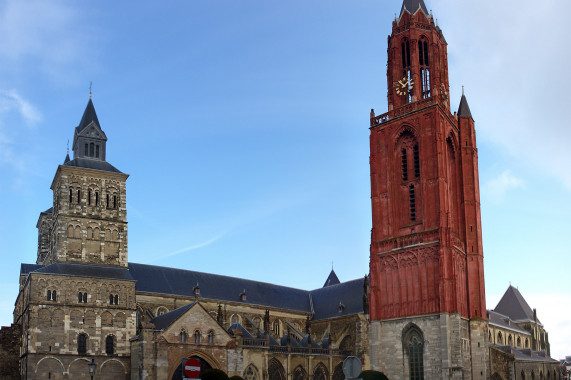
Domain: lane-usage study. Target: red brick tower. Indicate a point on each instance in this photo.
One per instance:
(426, 264)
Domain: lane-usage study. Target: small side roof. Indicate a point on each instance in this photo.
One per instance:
(504, 321)
(92, 164)
(165, 320)
(326, 300)
(79, 270)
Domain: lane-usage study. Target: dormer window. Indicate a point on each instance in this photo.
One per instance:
(196, 290)
(243, 295)
(341, 307)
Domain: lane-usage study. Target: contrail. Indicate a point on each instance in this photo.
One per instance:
(186, 249)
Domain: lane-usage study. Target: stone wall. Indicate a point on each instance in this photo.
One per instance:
(446, 347)
(10, 340)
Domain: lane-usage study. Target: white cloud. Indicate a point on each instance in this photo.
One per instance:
(511, 63)
(553, 311)
(48, 36)
(11, 102)
(496, 188)
(187, 249)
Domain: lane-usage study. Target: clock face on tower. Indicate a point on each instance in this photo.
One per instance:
(404, 86)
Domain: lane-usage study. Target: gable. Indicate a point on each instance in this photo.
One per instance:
(195, 318)
(92, 131)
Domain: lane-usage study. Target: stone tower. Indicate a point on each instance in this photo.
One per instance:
(77, 303)
(427, 301)
(88, 221)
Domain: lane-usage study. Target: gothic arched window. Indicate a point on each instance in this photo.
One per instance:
(182, 337)
(251, 373)
(320, 373)
(275, 370)
(211, 337)
(299, 373)
(424, 68)
(197, 336)
(413, 342)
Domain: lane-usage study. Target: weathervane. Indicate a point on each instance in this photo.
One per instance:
(90, 84)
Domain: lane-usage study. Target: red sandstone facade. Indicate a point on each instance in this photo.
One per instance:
(426, 241)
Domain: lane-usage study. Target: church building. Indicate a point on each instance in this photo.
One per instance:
(419, 314)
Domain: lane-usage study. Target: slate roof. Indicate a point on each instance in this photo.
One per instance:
(89, 115)
(323, 302)
(48, 211)
(463, 108)
(332, 279)
(67, 159)
(326, 300)
(27, 268)
(504, 321)
(515, 306)
(411, 6)
(165, 320)
(79, 270)
(89, 163)
(237, 326)
(162, 280)
(525, 354)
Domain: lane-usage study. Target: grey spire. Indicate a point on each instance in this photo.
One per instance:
(463, 109)
(412, 6)
(332, 279)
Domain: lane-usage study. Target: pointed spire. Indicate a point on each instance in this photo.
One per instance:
(463, 108)
(66, 158)
(412, 6)
(332, 279)
(89, 115)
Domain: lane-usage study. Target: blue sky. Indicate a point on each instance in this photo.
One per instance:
(244, 128)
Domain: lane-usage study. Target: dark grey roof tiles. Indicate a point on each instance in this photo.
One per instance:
(80, 270)
(332, 279)
(27, 268)
(67, 159)
(165, 320)
(292, 341)
(326, 300)
(92, 164)
(236, 326)
(463, 108)
(89, 115)
(525, 354)
(504, 321)
(514, 306)
(412, 6)
(156, 279)
(48, 211)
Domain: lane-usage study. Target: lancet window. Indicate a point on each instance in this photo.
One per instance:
(424, 68)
